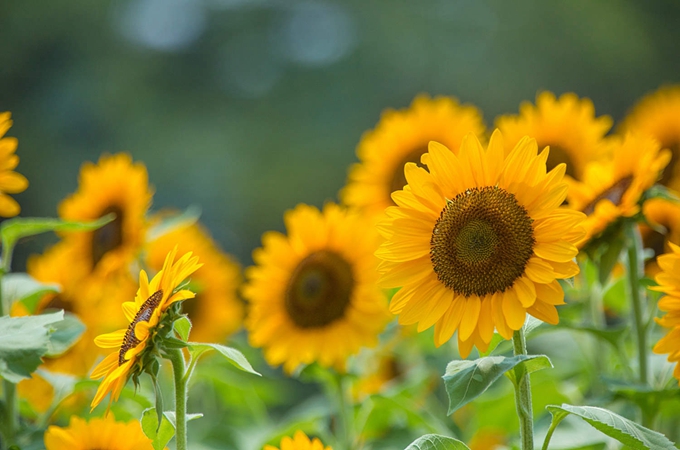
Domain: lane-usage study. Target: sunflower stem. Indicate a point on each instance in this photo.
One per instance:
(11, 413)
(523, 393)
(635, 271)
(178, 369)
(344, 415)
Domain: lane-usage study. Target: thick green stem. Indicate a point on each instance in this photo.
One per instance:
(178, 369)
(635, 271)
(11, 415)
(523, 394)
(344, 416)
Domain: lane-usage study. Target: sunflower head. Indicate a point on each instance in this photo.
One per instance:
(478, 240)
(299, 441)
(669, 283)
(663, 218)
(10, 182)
(97, 433)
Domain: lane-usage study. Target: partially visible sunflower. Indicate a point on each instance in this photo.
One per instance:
(114, 185)
(658, 115)
(382, 369)
(400, 137)
(479, 241)
(300, 441)
(97, 434)
(313, 294)
(144, 313)
(10, 182)
(488, 439)
(612, 188)
(665, 216)
(567, 125)
(669, 283)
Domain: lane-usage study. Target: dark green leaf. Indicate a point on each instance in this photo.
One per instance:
(21, 287)
(197, 349)
(437, 442)
(65, 334)
(538, 362)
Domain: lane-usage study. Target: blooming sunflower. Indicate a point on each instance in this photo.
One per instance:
(313, 294)
(658, 115)
(10, 181)
(479, 241)
(300, 441)
(567, 125)
(97, 434)
(144, 313)
(612, 188)
(669, 283)
(665, 215)
(401, 137)
(114, 185)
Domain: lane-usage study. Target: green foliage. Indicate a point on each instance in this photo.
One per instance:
(160, 434)
(183, 327)
(65, 333)
(235, 357)
(21, 287)
(188, 217)
(437, 442)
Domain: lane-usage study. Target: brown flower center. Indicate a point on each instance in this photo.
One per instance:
(143, 315)
(108, 237)
(614, 194)
(319, 290)
(558, 156)
(398, 178)
(481, 242)
(59, 301)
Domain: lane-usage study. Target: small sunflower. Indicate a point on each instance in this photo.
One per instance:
(567, 125)
(97, 434)
(612, 188)
(479, 241)
(669, 283)
(658, 115)
(313, 294)
(114, 185)
(300, 441)
(665, 217)
(144, 313)
(10, 182)
(401, 137)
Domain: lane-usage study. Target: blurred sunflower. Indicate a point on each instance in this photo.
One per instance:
(669, 283)
(216, 312)
(664, 216)
(114, 185)
(479, 241)
(10, 182)
(488, 439)
(658, 115)
(401, 137)
(99, 433)
(300, 441)
(383, 368)
(313, 294)
(612, 188)
(144, 313)
(568, 125)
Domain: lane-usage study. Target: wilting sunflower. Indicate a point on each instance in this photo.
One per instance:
(479, 241)
(664, 216)
(669, 283)
(612, 188)
(313, 294)
(658, 115)
(144, 313)
(114, 185)
(300, 441)
(567, 125)
(10, 182)
(401, 137)
(97, 434)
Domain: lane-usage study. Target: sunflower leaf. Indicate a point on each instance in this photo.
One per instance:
(183, 327)
(21, 287)
(437, 442)
(197, 349)
(159, 433)
(66, 333)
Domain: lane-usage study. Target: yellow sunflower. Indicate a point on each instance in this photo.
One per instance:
(313, 294)
(567, 125)
(612, 188)
(665, 216)
(658, 115)
(144, 313)
(300, 441)
(114, 185)
(401, 137)
(97, 434)
(216, 312)
(669, 283)
(10, 182)
(479, 241)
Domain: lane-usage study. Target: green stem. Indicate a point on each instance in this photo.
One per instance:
(11, 415)
(635, 270)
(523, 394)
(548, 436)
(344, 414)
(178, 369)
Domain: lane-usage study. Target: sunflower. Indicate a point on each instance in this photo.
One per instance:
(658, 115)
(567, 125)
(114, 185)
(10, 182)
(300, 441)
(612, 188)
(144, 313)
(216, 312)
(669, 283)
(313, 294)
(479, 241)
(401, 137)
(664, 215)
(97, 434)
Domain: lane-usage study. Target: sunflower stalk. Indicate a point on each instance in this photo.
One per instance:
(11, 413)
(345, 414)
(178, 369)
(523, 394)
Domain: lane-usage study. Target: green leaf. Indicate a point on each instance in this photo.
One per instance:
(161, 434)
(613, 336)
(23, 341)
(538, 362)
(21, 287)
(466, 380)
(662, 192)
(615, 426)
(14, 229)
(609, 258)
(437, 442)
(65, 334)
(183, 327)
(172, 417)
(197, 349)
(189, 217)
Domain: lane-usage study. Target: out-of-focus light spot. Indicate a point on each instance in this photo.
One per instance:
(166, 25)
(316, 34)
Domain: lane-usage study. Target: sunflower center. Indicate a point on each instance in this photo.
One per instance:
(558, 156)
(108, 237)
(143, 315)
(614, 194)
(669, 171)
(481, 242)
(319, 290)
(398, 178)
